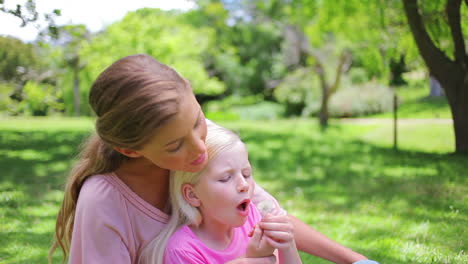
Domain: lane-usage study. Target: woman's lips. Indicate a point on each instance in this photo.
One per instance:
(199, 160)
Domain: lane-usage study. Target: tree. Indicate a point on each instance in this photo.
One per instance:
(28, 14)
(452, 73)
(328, 89)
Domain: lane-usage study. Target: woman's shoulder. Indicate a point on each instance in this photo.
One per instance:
(99, 188)
(107, 193)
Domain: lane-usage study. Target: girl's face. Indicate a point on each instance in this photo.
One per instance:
(226, 187)
(180, 144)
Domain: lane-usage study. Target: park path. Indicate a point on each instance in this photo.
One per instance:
(371, 121)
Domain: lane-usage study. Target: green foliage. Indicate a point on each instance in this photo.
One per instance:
(243, 108)
(298, 89)
(413, 210)
(16, 58)
(360, 100)
(415, 103)
(7, 105)
(39, 99)
(163, 35)
(358, 75)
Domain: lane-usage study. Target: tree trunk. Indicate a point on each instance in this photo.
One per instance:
(456, 89)
(76, 91)
(323, 115)
(452, 74)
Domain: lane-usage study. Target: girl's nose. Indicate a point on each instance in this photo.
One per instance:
(242, 185)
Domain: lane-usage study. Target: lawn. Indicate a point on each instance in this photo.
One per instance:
(408, 206)
(415, 103)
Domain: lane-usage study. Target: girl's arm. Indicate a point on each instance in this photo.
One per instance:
(313, 242)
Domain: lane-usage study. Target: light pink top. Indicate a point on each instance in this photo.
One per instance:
(113, 224)
(185, 247)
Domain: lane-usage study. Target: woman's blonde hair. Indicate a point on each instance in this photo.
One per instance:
(182, 213)
(131, 98)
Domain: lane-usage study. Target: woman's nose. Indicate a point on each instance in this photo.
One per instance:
(198, 144)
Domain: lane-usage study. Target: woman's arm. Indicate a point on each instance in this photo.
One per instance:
(313, 242)
(307, 239)
(266, 260)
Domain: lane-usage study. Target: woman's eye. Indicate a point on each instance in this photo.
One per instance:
(176, 148)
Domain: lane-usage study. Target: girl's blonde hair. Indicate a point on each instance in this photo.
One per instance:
(182, 213)
(131, 98)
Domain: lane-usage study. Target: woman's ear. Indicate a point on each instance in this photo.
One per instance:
(188, 192)
(128, 152)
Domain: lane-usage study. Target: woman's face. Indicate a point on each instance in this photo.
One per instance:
(180, 144)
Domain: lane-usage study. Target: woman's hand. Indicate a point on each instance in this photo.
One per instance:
(258, 245)
(278, 231)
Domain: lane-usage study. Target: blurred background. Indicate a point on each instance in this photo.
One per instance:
(360, 105)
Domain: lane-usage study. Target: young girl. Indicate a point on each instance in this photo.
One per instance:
(212, 212)
(148, 123)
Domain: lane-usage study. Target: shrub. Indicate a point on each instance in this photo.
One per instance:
(298, 90)
(39, 99)
(358, 100)
(243, 108)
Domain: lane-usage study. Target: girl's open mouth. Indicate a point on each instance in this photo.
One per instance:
(243, 207)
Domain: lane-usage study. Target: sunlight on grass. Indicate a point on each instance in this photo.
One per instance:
(396, 207)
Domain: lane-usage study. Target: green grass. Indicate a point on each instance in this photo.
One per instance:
(396, 207)
(415, 103)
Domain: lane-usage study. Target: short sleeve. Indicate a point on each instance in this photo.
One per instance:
(99, 229)
(265, 202)
(182, 256)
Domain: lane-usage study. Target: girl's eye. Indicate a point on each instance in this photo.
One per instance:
(225, 179)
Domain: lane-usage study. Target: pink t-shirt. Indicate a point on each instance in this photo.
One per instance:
(184, 246)
(113, 224)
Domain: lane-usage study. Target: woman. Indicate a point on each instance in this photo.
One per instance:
(148, 123)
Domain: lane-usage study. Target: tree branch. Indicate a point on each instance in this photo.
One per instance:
(343, 66)
(454, 19)
(433, 57)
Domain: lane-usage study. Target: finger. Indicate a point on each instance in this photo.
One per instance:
(276, 244)
(251, 232)
(285, 227)
(276, 218)
(278, 236)
(265, 260)
(257, 235)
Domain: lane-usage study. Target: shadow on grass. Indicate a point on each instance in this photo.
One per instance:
(331, 173)
(339, 174)
(33, 165)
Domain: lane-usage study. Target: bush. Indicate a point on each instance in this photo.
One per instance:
(369, 98)
(297, 91)
(39, 99)
(7, 105)
(260, 111)
(243, 108)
